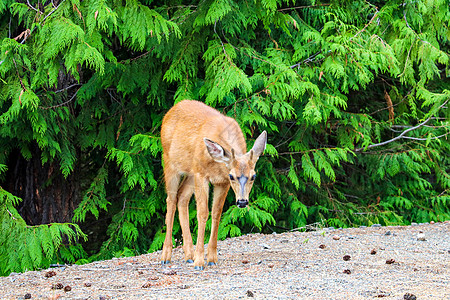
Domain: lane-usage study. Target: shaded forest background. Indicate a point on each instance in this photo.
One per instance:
(354, 96)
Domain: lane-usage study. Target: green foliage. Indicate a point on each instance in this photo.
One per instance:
(30, 247)
(354, 96)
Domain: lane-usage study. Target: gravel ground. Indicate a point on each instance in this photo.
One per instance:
(402, 262)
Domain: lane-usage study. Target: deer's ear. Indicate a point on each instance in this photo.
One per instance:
(259, 146)
(217, 152)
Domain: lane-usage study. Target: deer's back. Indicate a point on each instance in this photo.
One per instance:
(182, 132)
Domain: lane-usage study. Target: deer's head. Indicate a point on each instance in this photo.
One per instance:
(241, 168)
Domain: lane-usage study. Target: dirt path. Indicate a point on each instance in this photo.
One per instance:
(354, 263)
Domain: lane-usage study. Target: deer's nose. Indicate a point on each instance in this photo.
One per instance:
(241, 203)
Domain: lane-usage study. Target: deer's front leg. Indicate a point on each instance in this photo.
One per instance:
(220, 194)
(201, 197)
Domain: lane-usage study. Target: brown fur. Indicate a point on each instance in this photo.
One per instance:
(193, 136)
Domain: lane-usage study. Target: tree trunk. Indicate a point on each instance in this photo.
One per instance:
(47, 196)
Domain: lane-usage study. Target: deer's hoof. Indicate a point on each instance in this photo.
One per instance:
(165, 262)
(211, 263)
(189, 261)
(199, 268)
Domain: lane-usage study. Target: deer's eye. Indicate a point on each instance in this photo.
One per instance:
(231, 177)
(253, 177)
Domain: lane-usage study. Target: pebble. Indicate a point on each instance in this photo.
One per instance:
(390, 261)
(336, 237)
(421, 237)
(169, 272)
(387, 233)
(409, 296)
(376, 225)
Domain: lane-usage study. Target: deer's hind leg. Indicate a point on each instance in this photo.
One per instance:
(172, 179)
(184, 196)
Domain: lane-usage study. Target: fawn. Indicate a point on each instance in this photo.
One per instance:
(202, 146)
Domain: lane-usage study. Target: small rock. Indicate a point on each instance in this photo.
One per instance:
(388, 233)
(169, 272)
(409, 296)
(347, 271)
(27, 296)
(346, 257)
(362, 226)
(390, 261)
(431, 222)
(270, 265)
(57, 286)
(376, 225)
(322, 246)
(50, 274)
(147, 285)
(244, 261)
(67, 288)
(284, 241)
(87, 284)
(250, 294)
(414, 224)
(421, 236)
(265, 246)
(373, 252)
(336, 237)
(183, 286)
(154, 278)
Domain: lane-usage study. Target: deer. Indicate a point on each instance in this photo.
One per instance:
(201, 146)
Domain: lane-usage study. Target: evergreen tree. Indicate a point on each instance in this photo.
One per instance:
(354, 96)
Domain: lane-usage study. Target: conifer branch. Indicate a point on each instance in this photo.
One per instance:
(305, 6)
(402, 135)
(11, 214)
(33, 8)
(425, 139)
(61, 104)
(67, 88)
(307, 60)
